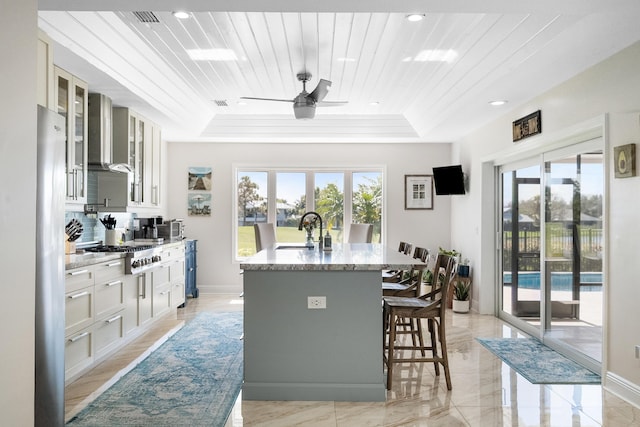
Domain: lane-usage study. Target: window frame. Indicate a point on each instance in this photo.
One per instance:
(309, 172)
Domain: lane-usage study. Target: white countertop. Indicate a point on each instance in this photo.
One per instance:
(343, 256)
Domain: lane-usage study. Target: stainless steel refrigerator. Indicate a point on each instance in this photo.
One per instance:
(49, 304)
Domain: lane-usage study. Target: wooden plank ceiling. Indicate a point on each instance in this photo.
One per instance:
(404, 81)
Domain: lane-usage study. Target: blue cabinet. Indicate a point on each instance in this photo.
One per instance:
(190, 266)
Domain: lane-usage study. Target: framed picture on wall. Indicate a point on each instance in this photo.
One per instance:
(418, 192)
(199, 178)
(199, 204)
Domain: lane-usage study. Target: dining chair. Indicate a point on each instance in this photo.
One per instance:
(431, 307)
(398, 275)
(410, 285)
(265, 235)
(360, 233)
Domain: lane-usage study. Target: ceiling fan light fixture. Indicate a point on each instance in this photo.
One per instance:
(181, 14)
(415, 17)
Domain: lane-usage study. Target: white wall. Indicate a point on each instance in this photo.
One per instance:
(611, 87)
(18, 117)
(217, 270)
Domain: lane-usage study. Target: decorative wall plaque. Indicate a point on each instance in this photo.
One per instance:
(527, 126)
(624, 159)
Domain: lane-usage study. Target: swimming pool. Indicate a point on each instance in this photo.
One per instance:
(560, 280)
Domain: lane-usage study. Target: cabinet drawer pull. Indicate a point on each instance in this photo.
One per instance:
(77, 337)
(81, 294)
(114, 264)
(114, 283)
(113, 319)
(75, 273)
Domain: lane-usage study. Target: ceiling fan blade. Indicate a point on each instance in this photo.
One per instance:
(331, 103)
(267, 99)
(320, 91)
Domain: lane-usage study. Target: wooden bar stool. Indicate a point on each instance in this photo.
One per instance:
(430, 306)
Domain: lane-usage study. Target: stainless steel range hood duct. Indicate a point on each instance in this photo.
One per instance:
(100, 133)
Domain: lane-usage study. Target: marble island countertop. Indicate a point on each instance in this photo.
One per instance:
(342, 257)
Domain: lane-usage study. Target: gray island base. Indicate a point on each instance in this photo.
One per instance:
(293, 352)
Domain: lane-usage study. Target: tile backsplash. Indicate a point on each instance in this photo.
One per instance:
(93, 230)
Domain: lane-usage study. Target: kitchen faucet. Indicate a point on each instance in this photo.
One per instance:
(319, 217)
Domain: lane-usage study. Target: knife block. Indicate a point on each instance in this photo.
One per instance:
(69, 247)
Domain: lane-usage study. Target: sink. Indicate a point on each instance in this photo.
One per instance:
(292, 247)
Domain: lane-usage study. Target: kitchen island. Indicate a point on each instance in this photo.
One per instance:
(296, 350)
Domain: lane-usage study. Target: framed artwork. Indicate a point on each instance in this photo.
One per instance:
(527, 126)
(200, 178)
(624, 159)
(199, 204)
(418, 192)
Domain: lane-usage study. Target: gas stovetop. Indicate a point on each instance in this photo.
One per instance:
(127, 249)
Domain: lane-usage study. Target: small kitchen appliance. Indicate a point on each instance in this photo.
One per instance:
(171, 230)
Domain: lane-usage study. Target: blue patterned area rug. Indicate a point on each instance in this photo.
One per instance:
(538, 363)
(193, 379)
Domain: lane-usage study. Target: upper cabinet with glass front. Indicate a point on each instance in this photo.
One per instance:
(136, 141)
(71, 101)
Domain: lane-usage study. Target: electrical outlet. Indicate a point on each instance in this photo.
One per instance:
(315, 303)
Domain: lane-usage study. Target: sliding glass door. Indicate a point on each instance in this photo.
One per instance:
(551, 262)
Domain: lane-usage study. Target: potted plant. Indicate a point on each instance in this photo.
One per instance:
(461, 296)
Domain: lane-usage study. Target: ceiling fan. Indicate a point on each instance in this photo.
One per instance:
(304, 105)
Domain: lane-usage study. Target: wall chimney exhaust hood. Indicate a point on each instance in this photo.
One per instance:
(100, 131)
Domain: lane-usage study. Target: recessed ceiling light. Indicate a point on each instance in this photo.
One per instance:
(212, 54)
(436, 55)
(415, 17)
(181, 14)
(374, 103)
(345, 59)
(497, 103)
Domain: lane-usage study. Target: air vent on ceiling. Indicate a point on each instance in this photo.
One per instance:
(221, 102)
(148, 17)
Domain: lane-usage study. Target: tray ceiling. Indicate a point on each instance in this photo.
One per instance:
(426, 81)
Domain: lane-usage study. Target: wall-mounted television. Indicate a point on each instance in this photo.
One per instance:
(448, 180)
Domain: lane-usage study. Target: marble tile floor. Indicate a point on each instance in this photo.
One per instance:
(485, 392)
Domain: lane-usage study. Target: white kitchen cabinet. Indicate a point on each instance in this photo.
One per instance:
(155, 164)
(109, 334)
(161, 290)
(71, 101)
(78, 353)
(45, 83)
(130, 293)
(145, 298)
(79, 310)
(137, 142)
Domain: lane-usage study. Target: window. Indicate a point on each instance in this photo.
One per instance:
(282, 196)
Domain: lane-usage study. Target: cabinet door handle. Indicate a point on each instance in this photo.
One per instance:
(81, 294)
(77, 337)
(114, 264)
(113, 283)
(164, 293)
(113, 319)
(75, 273)
(142, 289)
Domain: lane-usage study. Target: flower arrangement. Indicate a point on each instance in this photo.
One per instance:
(310, 224)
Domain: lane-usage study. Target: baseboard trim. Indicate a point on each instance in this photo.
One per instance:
(225, 289)
(622, 388)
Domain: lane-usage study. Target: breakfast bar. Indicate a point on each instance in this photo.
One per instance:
(313, 323)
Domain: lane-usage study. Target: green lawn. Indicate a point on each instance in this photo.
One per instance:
(247, 241)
